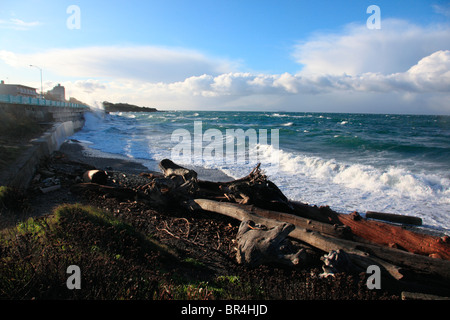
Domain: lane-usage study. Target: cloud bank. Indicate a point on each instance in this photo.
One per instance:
(396, 47)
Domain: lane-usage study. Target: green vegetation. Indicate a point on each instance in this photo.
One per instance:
(116, 261)
(125, 107)
(14, 124)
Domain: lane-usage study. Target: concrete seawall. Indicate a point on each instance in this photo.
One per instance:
(66, 121)
(46, 113)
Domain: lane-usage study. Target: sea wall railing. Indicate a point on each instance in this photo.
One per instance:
(7, 98)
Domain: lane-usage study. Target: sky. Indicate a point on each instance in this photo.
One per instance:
(286, 55)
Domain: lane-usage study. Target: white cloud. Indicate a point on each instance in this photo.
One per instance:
(394, 48)
(89, 86)
(17, 24)
(145, 63)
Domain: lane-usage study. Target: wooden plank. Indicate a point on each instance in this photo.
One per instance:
(397, 237)
(398, 218)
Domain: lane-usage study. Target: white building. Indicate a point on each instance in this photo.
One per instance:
(17, 90)
(58, 93)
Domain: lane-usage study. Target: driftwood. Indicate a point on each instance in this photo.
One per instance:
(329, 243)
(337, 261)
(397, 237)
(397, 266)
(394, 218)
(259, 245)
(402, 255)
(95, 176)
(181, 184)
(314, 239)
(172, 170)
(335, 230)
(257, 190)
(254, 189)
(421, 296)
(379, 232)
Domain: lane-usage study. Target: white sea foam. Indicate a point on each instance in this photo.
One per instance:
(347, 187)
(92, 120)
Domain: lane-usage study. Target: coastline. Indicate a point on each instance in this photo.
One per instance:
(201, 245)
(78, 151)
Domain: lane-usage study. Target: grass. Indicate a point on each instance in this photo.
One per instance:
(115, 260)
(119, 262)
(15, 125)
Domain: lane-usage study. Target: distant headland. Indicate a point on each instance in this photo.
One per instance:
(125, 107)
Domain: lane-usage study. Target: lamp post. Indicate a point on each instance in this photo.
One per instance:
(40, 69)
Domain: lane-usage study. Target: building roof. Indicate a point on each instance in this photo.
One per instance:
(16, 85)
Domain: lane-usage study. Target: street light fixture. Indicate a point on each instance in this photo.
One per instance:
(40, 69)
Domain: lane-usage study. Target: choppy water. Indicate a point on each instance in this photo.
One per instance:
(389, 163)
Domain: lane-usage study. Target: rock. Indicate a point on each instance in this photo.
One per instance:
(51, 182)
(50, 189)
(170, 169)
(95, 176)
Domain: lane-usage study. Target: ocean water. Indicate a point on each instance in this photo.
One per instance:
(363, 162)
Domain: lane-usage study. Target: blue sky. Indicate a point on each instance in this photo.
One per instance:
(234, 55)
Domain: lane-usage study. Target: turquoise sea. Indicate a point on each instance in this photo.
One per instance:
(377, 162)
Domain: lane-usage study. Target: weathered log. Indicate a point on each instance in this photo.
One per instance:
(337, 261)
(50, 189)
(171, 169)
(397, 237)
(405, 295)
(338, 231)
(254, 189)
(395, 257)
(390, 259)
(322, 214)
(398, 218)
(378, 232)
(314, 239)
(259, 245)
